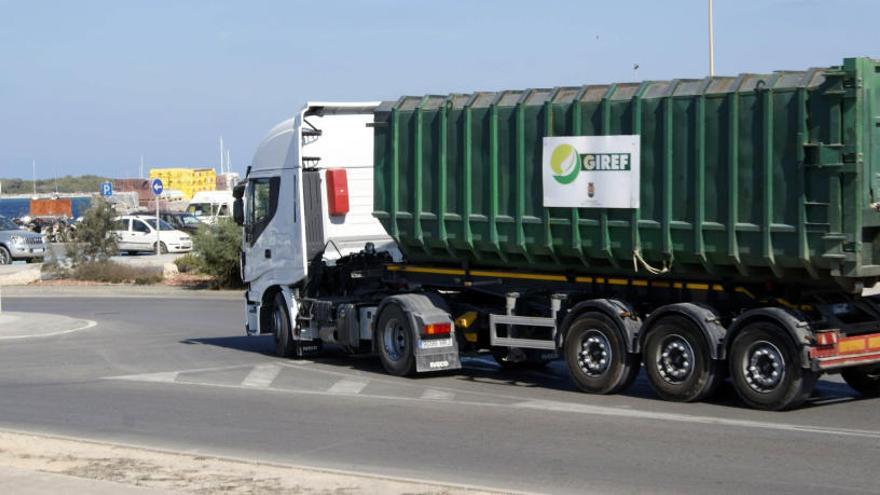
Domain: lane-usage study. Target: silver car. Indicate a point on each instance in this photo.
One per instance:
(19, 244)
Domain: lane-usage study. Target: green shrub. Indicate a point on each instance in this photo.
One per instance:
(115, 273)
(216, 251)
(188, 263)
(92, 239)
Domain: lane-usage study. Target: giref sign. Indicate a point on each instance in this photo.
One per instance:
(591, 171)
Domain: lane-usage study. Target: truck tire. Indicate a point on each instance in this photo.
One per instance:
(596, 355)
(766, 370)
(678, 362)
(285, 345)
(864, 379)
(394, 339)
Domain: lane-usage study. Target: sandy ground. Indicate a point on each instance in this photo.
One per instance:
(183, 473)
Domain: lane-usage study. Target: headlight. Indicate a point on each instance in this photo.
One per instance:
(185, 238)
(17, 239)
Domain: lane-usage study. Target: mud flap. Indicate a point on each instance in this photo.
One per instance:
(437, 358)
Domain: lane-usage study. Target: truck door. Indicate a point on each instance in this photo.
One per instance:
(261, 203)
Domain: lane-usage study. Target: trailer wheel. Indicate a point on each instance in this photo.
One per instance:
(678, 361)
(865, 379)
(394, 338)
(766, 369)
(596, 355)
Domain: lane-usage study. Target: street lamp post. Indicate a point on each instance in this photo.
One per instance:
(711, 44)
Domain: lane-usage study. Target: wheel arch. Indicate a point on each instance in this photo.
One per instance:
(418, 307)
(267, 303)
(621, 313)
(796, 328)
(703, 317)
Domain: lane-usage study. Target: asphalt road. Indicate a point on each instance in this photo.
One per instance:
(179, 374)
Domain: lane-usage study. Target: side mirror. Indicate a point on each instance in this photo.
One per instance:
(238, 204)
(238, 211)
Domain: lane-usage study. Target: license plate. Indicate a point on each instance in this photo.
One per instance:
(432, 344)
(38, 250)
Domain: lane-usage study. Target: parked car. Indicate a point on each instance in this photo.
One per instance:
(19, 244)
(137, 233)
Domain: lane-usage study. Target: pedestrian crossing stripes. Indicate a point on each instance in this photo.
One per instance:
(261, 376)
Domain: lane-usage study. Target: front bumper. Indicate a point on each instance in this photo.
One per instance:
(845, 352)
(28, 251)
(182, 247)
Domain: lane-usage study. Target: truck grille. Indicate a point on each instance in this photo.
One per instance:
(33, 240)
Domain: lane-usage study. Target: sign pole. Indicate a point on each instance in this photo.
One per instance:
(158, 230)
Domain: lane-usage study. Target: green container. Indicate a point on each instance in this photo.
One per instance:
(756, 177)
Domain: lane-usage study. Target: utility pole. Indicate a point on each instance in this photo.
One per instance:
(221, 154)
(141, 176)
(711, 44)
(34, 175)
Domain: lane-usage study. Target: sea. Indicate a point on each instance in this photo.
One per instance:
(19, 207)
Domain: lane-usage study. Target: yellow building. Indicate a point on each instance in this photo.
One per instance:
(189, 181)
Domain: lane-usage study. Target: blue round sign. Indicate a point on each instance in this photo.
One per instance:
(156, 186)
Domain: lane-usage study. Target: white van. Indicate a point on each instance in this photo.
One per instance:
(209, 206)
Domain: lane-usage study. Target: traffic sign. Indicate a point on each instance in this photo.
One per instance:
(157, 187)
(106, 189)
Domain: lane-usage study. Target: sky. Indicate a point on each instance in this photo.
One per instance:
(87, 87)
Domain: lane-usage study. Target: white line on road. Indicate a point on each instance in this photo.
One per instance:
(88, 324)
(163, 377)
(433, 394)
(347, 387)
(546, 405)
(262, 376)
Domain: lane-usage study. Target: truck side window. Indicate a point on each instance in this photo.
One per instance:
(262, 201)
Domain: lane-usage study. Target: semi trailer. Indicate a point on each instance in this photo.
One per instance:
(725, 227)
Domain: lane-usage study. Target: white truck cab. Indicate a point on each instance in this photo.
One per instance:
(210, 206)
(307, 195)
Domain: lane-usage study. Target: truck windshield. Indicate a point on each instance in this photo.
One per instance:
(200, 209)
(163, 225)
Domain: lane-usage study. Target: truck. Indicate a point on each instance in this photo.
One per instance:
(705, 229)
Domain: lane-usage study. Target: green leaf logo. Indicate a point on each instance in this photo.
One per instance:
(565, 163)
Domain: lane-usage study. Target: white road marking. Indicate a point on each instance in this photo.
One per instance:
(88, 324)
(433, 394)
(261, 376)
(618, 412)
(163, 377)
(347, 387)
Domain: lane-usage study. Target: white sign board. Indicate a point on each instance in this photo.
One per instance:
(591, 171)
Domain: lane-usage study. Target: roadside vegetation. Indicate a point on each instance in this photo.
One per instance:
(89, 252)
(66, 184)
(215, 254)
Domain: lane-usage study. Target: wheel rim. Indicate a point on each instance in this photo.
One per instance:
(394, 339)
(675, 361)
(595, 354)
(763, 367)
(4, 257)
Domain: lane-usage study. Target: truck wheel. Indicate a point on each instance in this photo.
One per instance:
(766, 369)
(865, 379)
(596, 355)
(5, 257)
(394, 338)
(678, 363)
(285, 345)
